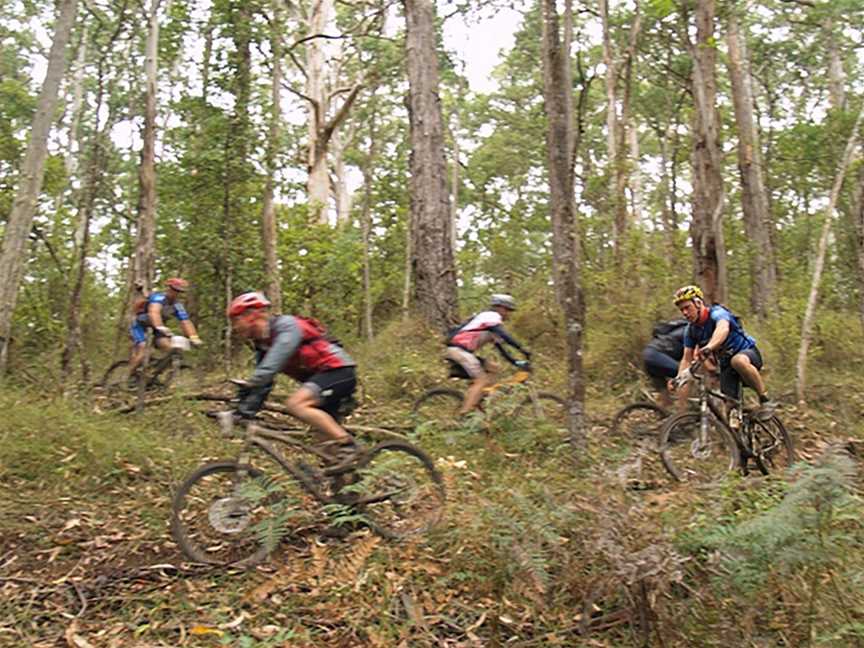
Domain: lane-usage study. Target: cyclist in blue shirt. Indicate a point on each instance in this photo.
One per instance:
(151, 312)
(715, 330)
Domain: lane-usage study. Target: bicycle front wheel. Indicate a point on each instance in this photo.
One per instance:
(638, 420)
(231, 514)
(115, 376)
(771, 445)
(690, 456)
(543, 406)
(398, 491)
(440, 405)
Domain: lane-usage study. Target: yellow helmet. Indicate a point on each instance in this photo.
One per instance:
(686, 293)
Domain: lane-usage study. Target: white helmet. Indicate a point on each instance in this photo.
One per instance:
(506, 301)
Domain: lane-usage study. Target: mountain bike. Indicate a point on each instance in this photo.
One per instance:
(703, 446)
(155, 374)
(514, 397)
(638, 420)
(236, 511)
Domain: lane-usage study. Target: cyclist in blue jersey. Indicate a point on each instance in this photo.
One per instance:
(715, 330)
(151, 312)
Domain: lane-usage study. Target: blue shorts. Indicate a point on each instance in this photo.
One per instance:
(138, 333)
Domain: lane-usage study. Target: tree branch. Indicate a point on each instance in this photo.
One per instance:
(340, 116)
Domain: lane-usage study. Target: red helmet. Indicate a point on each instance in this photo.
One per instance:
(178, 284)
(244, 302)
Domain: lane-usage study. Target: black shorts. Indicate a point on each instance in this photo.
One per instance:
(730, 381)
(332, 388)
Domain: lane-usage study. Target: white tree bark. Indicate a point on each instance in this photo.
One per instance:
(810, 311)
(754, 196)
(145, 241)
(14, 251)
(318, 184)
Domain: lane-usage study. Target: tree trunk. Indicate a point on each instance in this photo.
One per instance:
(92, 187)
(709, 250)
(619, 131)
(269, 233)
(836, 74)
(14, 251)
(858, 215)
(754, 197)
(145, 244)
(366, 222)
(810, 312)
(557, 83)
(433, 266)
(318, 184)
(341, 190)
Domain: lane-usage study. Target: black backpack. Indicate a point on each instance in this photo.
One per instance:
(662, 329)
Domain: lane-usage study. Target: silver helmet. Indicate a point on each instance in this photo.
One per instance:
(500, 299)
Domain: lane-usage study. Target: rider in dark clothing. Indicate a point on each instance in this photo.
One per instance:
(662, 355)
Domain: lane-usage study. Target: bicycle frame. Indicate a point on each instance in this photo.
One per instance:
(258, 436)
(516, 378)
(707, 399)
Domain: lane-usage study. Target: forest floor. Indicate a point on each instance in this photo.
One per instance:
(540, 546)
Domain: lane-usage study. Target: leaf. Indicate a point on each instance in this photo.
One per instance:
(205, 630)
(74, 640)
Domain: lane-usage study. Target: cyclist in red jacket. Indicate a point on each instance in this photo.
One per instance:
(295, 346)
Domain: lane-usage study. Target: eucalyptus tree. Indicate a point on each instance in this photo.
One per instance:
(14, 250)
(754, 197)
(268, 211)
(709, 195)
(144, 267)
(559, 145)
(620, 132)
(433, 266)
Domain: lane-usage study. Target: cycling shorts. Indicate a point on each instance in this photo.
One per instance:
(474, 366)
(659, 367)
(332, 387)
(138, 333)
(730, 381)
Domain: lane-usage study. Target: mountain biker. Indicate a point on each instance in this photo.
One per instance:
(715, 330)
(662, 355)
(296, 346)
(482, 329)
(151, 312)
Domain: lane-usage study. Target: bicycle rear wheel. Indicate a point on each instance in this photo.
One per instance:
(440, 405)
(689, 458)
(638, 420)
(398, 491)
(772, 447)
(230, 514)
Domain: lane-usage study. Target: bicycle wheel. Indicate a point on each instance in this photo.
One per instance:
(543, 406)
(115, 376)
(771, 445)
(688, 458)
(440, 405)
(228, 514)
(638, 420)
(398, 491)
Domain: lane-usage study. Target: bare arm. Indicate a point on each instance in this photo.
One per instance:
(154, 312)
(686, 359)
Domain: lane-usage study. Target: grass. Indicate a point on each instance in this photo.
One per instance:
(539, 547)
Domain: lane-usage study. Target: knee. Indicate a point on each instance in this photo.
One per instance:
(740, 362)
